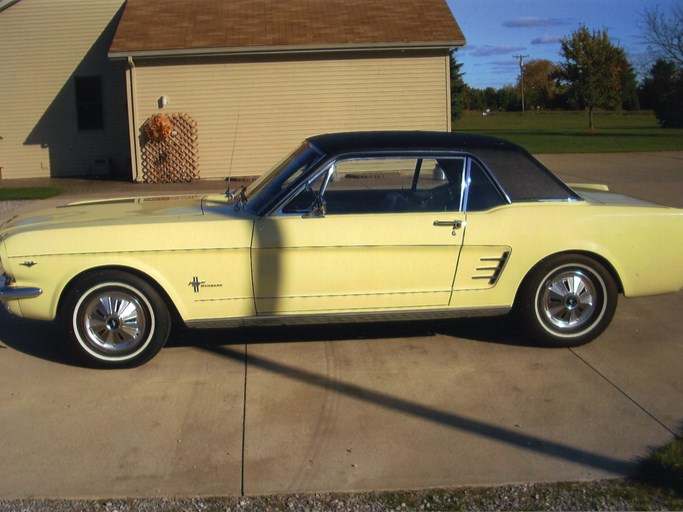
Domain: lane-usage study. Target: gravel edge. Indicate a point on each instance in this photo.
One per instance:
(595, 495)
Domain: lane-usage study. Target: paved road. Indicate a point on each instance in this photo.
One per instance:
(351, 408)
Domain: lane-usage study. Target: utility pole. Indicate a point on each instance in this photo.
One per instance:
(521, 74)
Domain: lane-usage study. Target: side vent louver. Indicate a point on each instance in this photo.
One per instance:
(491, 268)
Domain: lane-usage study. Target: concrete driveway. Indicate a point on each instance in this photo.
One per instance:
(392, 406)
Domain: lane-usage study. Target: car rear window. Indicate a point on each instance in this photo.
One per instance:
(524, 178)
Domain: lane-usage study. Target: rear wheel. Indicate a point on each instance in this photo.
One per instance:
(567, 300)
(114, 319)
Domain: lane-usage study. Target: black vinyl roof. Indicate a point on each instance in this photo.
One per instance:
(352, 142)
(522, 176)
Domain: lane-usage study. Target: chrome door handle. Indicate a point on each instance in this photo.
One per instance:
(455, 224)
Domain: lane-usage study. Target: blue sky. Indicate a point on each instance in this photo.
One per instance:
(498, 29)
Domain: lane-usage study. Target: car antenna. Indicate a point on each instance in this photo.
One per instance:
(229, 193)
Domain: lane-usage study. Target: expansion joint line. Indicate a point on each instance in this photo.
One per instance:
(244, 418)
(622, 392)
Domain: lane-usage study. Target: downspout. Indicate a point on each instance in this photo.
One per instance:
(133, 119)
(449, 92)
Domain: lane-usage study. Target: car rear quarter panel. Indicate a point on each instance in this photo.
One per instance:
(641, 244)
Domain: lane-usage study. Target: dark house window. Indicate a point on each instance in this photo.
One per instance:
(89, 106)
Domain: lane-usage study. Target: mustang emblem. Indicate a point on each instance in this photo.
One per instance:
(28, 264)
(196, 284)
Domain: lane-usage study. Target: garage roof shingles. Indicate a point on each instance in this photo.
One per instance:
(190, 26)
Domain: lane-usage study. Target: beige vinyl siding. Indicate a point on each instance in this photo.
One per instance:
(44, 44)
(268, 106)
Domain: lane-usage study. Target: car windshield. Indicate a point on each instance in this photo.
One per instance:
(270, 185)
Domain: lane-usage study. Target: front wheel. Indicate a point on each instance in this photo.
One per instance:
(113, 319)
(567, 301)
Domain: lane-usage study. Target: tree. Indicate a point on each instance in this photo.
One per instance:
(629, 89)
(473, 98)
(664, 34)
(662, 91)
(457, 88)
(655, 85)
(509, 98)
(540, 88)
(479, 100)
(593, 70)
(491, 100)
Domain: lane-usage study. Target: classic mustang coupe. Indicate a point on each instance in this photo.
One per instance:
(350, 227)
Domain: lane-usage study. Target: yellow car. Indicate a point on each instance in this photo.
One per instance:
(351, 227)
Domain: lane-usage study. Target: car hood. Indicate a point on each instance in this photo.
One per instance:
(123, 224)
(117, 210)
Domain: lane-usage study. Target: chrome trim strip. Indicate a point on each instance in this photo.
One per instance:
(9, 293)
(347, 318)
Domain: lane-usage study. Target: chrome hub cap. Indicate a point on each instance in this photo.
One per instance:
(571, 301)
(114, 322)
(568, 300)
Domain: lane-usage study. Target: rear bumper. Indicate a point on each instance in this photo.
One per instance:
(12, 293)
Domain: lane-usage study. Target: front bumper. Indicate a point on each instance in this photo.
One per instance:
(12, 293)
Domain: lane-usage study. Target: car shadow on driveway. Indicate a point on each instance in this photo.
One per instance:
(38, 339)
(44, 340)
(502, 330)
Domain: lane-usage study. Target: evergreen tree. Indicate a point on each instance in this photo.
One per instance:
(457, 88)
(662, 91)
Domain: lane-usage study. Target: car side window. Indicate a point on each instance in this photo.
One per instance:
(482, 194)
(386, 185)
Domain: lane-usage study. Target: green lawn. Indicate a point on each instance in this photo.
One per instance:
(21, 193)
(567, 132)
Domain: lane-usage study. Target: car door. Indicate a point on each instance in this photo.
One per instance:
(366, 234)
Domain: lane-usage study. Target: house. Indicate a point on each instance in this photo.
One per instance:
(62, 100)
(233, 85)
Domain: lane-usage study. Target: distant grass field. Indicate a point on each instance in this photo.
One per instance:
(567, 132)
